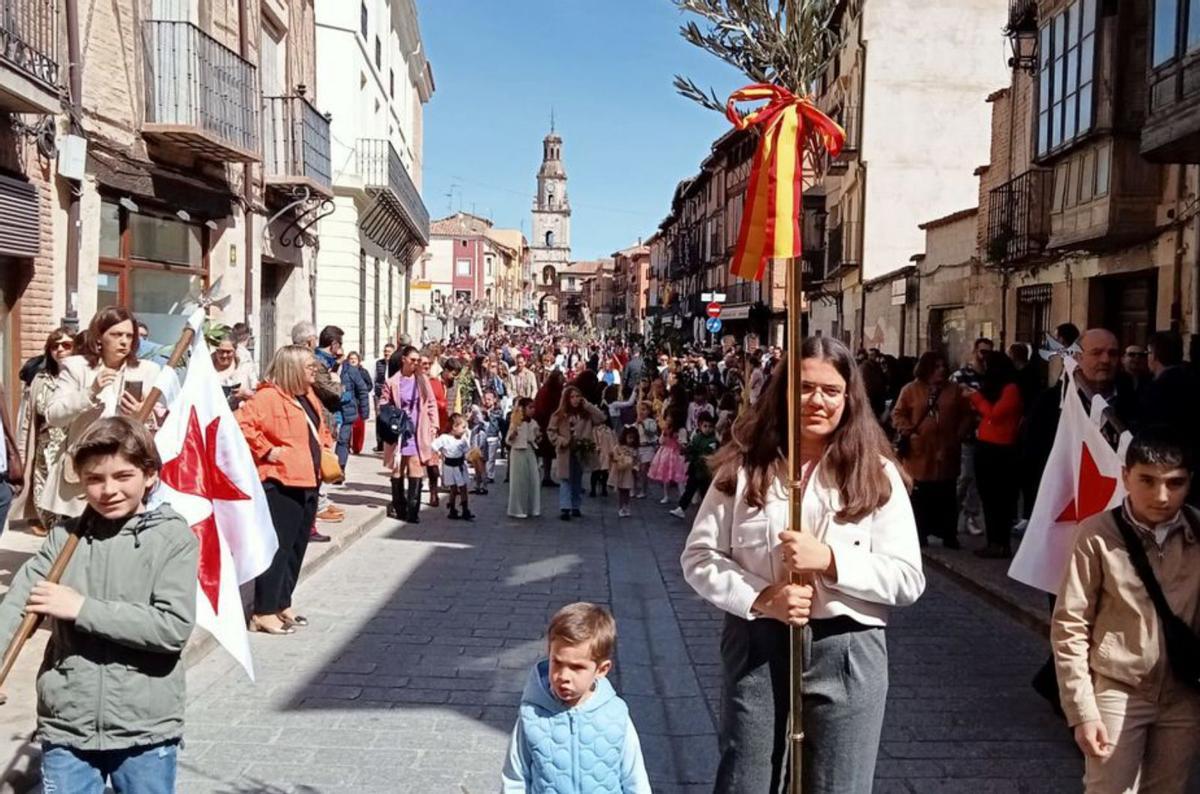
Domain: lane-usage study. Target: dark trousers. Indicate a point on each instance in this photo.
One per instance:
(997, 475)
(293, 511)
(600, 480)
(696, 484)
(935, 508)
(845, 689)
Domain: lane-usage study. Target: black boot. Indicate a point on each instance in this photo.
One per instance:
(399, 507)
(413, 515)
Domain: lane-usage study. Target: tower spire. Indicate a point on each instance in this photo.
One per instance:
(552, 118)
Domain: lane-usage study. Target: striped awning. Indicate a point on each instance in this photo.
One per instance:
(19, 227)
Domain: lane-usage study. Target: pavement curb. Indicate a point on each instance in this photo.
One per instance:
(1030, 618)
(197, 651)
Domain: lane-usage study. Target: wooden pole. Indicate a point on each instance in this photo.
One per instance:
(795, 497)
(31, 621)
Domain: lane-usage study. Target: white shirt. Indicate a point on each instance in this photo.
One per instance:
(732, 553)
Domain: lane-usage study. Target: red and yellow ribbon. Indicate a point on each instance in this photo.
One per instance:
(771, 218)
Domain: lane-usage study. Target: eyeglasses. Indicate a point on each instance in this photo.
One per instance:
(65, 344)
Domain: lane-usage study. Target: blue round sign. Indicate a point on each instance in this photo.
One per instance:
(714, 325)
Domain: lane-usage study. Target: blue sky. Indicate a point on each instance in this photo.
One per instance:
(606, 66)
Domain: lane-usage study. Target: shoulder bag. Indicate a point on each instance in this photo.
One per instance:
(331, 469)
(903, 444)
(1183, 646)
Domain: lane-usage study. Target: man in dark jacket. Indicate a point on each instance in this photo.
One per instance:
(356, 404)
(1098, 373)
(380, 379)
(1171, 396)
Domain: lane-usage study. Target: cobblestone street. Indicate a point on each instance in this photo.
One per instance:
(421, 638)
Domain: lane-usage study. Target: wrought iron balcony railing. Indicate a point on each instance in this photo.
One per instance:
(29, 46)
(843, 249)
(296, 144)
(1022, 15)
(200, 95)
(1019, 217)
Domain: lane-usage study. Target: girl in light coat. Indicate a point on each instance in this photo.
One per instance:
(856, 553)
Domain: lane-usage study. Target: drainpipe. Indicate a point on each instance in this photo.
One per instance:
(1177, 265)
(1195, 323)
(74, 233)
(247, 177)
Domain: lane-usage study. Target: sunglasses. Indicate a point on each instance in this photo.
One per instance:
(65, 344)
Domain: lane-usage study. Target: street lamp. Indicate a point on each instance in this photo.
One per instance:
(1024, 44)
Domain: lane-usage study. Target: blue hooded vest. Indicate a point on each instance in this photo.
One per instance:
(572, 751)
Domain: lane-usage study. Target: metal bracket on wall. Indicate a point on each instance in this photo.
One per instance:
(306, 210)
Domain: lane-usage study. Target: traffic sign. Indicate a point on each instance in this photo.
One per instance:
(714, 310)
(713, 325)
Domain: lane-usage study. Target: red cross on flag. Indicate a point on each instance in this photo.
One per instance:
(1082, 478)
(210, 479)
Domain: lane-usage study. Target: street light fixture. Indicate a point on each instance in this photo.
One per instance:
(1024, 44)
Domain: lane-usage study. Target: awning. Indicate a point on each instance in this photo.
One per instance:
(19, 227)
(516, 322)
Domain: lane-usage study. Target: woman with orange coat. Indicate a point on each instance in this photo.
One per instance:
(998, 403)
(285, 428)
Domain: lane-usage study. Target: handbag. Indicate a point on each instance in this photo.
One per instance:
(331, 469)
(1183, 646)
(903, 445)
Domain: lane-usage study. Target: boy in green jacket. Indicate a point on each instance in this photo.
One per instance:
(702, 444)
(111, 686)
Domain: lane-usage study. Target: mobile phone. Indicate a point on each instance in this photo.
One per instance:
(134, 389)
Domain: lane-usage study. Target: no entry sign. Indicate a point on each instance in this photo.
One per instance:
(714, 309)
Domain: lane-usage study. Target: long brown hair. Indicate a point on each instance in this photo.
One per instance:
(103, 320)
(564, 403)
(759, 443)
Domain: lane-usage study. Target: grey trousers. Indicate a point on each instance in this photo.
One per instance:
(845, 690)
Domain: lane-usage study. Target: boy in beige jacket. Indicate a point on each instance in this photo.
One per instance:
(1134, 719)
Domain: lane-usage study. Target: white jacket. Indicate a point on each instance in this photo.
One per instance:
(732, 553)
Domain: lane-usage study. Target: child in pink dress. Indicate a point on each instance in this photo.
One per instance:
(668, 466)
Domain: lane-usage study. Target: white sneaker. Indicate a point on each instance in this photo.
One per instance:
(666, 500)
(519, 515)
(678, 513)
(624, 512)
(974, 528)
(639, 496)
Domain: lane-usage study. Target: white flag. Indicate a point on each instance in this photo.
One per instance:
(210, 479)
(1082, 478)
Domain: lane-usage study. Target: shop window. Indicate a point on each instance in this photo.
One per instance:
(150, 263)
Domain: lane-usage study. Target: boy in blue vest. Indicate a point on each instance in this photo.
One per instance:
(568, 697)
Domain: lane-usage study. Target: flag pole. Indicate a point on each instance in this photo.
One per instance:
(794, 287)
(30, 622)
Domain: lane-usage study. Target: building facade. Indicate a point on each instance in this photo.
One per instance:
(916, 126)
(1084, 209)
(631, 273)
(374, 229)
(185, 146)
(550, 250)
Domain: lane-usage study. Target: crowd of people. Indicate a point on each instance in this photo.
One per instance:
(894, 452)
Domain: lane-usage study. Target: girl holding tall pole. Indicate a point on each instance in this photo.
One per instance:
(854, 555)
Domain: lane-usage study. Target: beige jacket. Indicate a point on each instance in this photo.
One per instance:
(74, 408)
(1104, 623)
(563, 428)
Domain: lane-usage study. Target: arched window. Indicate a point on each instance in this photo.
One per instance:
(550, 239)
(550, 199)
(548, 273)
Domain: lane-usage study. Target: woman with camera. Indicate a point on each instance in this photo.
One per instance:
(106, 379)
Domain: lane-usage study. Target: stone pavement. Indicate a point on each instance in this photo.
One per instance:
(421, 638)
